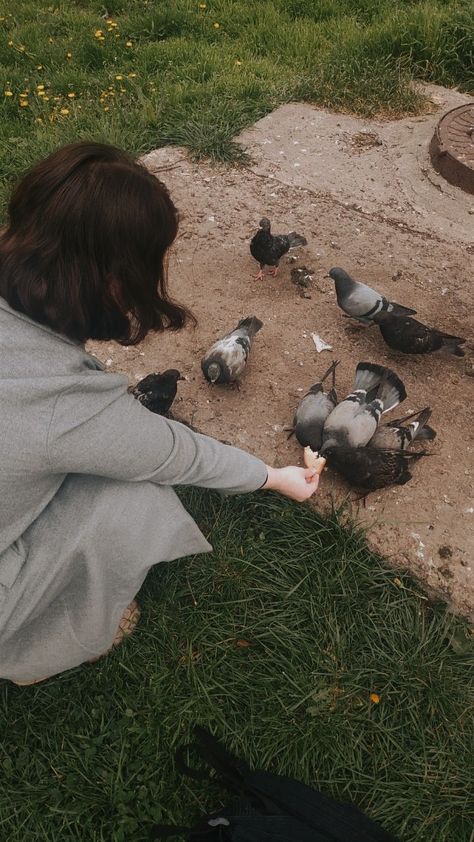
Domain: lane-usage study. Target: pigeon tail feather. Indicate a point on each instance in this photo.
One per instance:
(400, 310)
(425, 433)
(391, 390)
(368, 376)
(296, 240)
(330, 370)
(251, 324)
(420, 425)
(453, 344)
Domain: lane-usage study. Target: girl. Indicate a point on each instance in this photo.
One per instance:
(86, 473)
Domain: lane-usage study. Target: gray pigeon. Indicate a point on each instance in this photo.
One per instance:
(353, 422)
(360, 301)
(397, 435)
(313, 410)
(226, 359)
(268, 248)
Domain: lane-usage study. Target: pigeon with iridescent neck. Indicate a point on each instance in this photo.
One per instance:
(360, 301)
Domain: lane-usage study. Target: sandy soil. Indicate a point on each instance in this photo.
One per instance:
(427, 525)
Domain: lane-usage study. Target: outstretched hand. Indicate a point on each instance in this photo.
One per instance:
(297, 483)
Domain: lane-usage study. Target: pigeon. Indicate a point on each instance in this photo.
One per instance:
(268, 249)
(158, 391)
(353, 422)
(369, 468)
(313, 410)
(397, 436)
(226, 359)
(405, 334)
(360, 301)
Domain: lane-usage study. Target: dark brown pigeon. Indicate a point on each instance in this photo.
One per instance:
(267, 248)
(369, 468)
(158, 391)
(402, 333)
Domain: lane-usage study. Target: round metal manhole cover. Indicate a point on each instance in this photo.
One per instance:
(452, 147)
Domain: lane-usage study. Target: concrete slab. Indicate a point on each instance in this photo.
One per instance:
(380, 167)
(361, 209)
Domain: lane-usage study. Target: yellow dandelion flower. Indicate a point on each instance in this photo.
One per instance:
(8, 93)
(132, 75)
(2, 19)
(375, 698)
(39, 120)
(57, 98)
(64, 111)
(10, 43)
(46, 99)
(98, 33)
(39, 67)
(41, 93)
(51, 40)
(129, 44)
(68, 55)
(216, 25)
(202, 6)
(119, 76)
(24, 103)
(40, 87)
(106, 108)
(123, 91)
(71, 95)
(24, 94)
(21, 48)
(238, 63)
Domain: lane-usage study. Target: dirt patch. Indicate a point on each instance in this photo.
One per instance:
(427, 525)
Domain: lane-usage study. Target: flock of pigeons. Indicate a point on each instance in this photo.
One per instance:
(347, 434)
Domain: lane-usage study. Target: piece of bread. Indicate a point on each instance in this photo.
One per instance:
(313, 460)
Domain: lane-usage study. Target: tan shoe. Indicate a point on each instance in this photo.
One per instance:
(127, 625)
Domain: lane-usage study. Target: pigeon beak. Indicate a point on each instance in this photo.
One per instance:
(182, 377)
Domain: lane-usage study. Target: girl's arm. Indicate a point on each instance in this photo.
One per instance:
(98, 428)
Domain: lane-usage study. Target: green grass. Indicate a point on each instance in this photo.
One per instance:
(197, 84)
(89, 756)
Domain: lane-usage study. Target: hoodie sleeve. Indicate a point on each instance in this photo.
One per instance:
(98, 428)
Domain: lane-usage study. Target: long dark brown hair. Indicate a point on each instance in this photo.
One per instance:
(84, 248)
